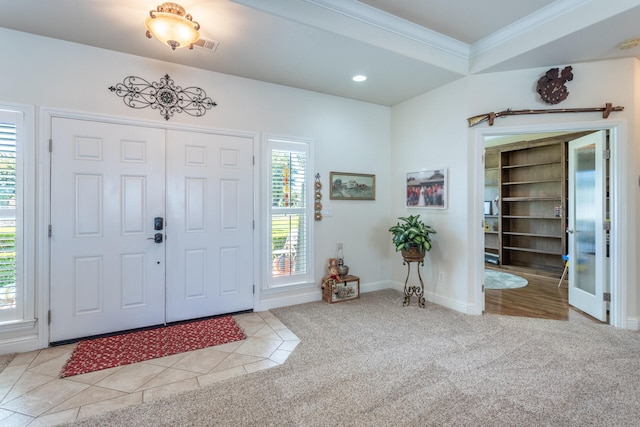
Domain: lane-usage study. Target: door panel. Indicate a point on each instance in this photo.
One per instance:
(585, 224)
(107, 190)
(209, 224)
(107, 184)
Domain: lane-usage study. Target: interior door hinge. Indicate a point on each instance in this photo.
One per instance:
(606, 154)
(254, 289)
(254, 160)
(606, 225)
(49, 228)
(49, 317)
(606, 297)
(254, 224)
(483, 287)
(50, 145)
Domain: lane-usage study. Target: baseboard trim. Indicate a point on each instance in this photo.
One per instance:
(374, 286)
(276, 301)
(443, 301)
(19, 344)
(285, 301)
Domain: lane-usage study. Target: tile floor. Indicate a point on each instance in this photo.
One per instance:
(32, 394)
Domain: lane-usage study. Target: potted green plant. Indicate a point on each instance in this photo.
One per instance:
(412, 237)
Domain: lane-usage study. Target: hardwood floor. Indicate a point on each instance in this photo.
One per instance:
(541, 298)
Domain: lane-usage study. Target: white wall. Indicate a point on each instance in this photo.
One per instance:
(349, 136)
(431, 130)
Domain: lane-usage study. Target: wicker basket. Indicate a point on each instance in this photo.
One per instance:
(413, 254)
(327, 290)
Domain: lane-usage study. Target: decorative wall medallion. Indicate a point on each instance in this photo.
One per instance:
(164, 95)
(551, 86)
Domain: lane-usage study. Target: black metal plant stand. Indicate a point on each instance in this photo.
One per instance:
(412, 290)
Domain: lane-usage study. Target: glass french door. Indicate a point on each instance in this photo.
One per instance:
(586, 231)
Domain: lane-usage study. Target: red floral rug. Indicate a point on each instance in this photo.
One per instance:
(102, 353)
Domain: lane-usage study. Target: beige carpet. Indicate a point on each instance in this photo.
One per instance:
(372, 362)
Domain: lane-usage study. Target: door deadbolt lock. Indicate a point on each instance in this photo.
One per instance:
(158, 223)
(157, 238)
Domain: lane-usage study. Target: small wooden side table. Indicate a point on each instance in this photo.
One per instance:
(344, 289)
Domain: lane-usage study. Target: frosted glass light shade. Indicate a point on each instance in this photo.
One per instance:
(170, 25)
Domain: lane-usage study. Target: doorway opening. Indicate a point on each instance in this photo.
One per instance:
(525, 200)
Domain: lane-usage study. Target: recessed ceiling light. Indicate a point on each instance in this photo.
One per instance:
(359, 78)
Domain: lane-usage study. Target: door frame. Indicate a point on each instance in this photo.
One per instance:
(620, 225)
(43, 185)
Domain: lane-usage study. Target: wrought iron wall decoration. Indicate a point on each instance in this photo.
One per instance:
(164, 96)
(318, 196)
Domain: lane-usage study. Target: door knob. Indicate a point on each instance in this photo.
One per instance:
(569, 231)
(156, 238)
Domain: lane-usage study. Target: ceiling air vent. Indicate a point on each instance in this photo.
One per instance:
(212, 45)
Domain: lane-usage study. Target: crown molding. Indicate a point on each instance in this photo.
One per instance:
(393, 24)
(358, 21)
(525, 25)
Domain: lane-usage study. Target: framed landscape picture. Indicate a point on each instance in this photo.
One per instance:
(427, 189)
(352, 186)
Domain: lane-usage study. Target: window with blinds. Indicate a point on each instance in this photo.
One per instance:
(7, 216)
(289, 214)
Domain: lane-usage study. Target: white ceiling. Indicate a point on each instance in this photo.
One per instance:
(405, 47)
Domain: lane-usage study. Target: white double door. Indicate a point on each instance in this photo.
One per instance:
(114, 266)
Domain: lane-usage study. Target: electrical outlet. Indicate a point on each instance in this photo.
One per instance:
(441, 276)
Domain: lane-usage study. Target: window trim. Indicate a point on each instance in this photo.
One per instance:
(24, 117)
(270, 143)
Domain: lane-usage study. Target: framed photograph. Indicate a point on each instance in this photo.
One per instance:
(427, 189)
(352, 186)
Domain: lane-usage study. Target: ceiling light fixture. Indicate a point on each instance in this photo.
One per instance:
(170, 24)
(359, 78)
(629, 44)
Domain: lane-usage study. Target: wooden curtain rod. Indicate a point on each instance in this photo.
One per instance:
(606, 110)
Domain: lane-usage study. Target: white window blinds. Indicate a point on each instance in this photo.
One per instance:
(7, 216)
(289, 214)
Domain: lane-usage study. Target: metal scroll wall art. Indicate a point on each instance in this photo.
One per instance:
(164, 96)
(318, 196)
